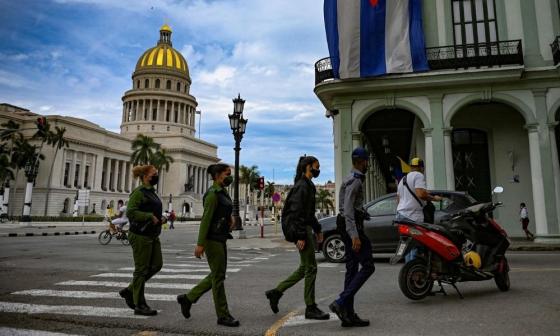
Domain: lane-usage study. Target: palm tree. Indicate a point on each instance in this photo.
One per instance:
(161, 160)
(10, 131)
(143, 148)
(269, 189)
(18, 159)
(248, 176)
(58, 141)
(6, 173)
(324, 199)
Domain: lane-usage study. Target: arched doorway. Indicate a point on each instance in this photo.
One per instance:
(66, 206)
(391, 134)
(186, 208)
(491, 147)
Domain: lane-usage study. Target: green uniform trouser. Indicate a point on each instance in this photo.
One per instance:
(147, 262)
(216, 253)
(307, 269)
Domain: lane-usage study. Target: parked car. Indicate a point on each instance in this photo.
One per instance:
(380, 229)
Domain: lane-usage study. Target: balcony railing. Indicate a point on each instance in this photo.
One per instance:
(488, 54)
(556, 50)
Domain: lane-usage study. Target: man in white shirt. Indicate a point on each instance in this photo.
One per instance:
(410, 207)
(122, 219)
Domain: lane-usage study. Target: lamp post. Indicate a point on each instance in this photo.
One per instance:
(31, 170)
(238, 125)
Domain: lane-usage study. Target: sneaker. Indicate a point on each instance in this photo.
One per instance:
(314, 313)
(126, 294)
(143, 309)
(228, 321)
(341, 313)
(274, 296)
(185, 305)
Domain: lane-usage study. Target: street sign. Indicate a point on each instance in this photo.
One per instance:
(83, 197)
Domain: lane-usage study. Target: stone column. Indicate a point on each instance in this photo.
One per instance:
(81, 178)
(123, 176)
(113, 173)
(429, 159)
(342, 130)
(555, 166)
(438, 163)
(537, 182)
(196, 183)
(158, 102)
(450, 173)
(72, 172)
(104, 168)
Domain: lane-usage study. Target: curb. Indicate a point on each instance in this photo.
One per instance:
(44, 234)
(535, 248)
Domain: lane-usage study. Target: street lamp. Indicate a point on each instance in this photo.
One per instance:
(31, 170)
(238, 125)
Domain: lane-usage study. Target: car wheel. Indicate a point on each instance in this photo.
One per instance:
(334, 249)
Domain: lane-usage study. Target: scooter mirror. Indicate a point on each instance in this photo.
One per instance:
(498, 190)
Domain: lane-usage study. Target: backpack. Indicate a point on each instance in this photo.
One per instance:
(172, 216)
(288, 227)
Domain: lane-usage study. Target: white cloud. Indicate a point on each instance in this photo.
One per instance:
(221, 76)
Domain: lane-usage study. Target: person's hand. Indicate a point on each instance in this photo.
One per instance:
(232, 224)
(356, 244)
(320, 237)
(155, 220)
(199, 251)
(300, 244)
(437, 198)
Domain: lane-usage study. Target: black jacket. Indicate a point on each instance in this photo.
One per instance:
(302, 208)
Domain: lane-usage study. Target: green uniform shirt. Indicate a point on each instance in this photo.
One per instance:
(133, 211)
(210, 204)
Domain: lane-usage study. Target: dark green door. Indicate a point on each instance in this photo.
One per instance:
(470, 163)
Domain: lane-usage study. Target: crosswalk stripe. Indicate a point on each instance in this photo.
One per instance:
(183, 270)
(29, 332)
(26, 308)
(124, 284)
(202, 265)
(157, 276)
(89, 294)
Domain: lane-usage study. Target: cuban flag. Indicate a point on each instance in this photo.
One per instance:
(375, 37)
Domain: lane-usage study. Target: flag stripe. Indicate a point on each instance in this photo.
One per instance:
(348, 14)
(372, 54)
(331, 28)
(397, 41)
(418, 53)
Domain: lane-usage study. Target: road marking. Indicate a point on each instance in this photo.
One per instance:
(202, 265)
(25, 308)
(157, 276)
(328, 265)
(29, 332)
(273, 330)
(299, 320)
(89, 294)
(171, 251)
(183, 270)
(513, 269)
(124, 284)
(261, 258)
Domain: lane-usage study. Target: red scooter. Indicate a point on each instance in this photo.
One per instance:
(470, 246)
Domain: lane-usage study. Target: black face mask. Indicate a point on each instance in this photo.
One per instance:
(315, 172)
(228, 181)
(154, 180)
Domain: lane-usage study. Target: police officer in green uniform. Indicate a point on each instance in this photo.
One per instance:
(214, 231)
(300, 212)
(144, 213)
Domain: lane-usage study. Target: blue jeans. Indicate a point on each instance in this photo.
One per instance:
(355, 277)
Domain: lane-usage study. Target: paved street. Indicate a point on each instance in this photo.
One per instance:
(69, 284)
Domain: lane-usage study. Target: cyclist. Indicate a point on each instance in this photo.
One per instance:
(121, 219)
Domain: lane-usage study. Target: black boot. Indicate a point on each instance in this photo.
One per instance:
(185, 305)
(126, 294)
(143, 309)
(357, 321)
(274, 296)
(228, 321)
(342, 314)
(314, 313)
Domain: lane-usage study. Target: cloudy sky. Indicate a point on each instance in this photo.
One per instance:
(75, 57)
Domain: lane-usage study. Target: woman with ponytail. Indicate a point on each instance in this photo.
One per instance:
(215, 228)
(144, 213)
(299, 213)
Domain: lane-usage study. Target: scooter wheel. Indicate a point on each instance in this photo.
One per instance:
(414, 279)
(502, 277)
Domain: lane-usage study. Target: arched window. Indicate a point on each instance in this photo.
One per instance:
(178, 87)
(157, 83)
(168, 85)
(146, 83)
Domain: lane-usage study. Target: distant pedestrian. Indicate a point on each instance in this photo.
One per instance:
(145, 215)
(215, 227)
(300, 221)
(172, 217)
(524, 219)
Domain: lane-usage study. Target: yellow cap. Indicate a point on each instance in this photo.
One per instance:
(417, 162)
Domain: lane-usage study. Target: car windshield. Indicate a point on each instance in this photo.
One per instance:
(454, 202)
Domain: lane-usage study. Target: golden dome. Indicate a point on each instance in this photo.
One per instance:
(163, 55)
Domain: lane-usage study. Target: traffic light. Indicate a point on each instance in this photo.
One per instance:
(41, 123)
(261, 183)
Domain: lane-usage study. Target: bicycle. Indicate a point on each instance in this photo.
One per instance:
(106, 236)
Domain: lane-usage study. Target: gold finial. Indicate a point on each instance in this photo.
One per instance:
(165, 27)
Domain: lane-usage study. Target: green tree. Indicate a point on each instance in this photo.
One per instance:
(10, 131)
(249, 176)
(324, 200)
(6, 172)
(58, 141)
(269, 189)
(143, 150)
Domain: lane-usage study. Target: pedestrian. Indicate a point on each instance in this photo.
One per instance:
(414, 200)
(172, 217)
(299, 214)
(145, 215)
(215, 227)
(524, 219)
(359, 253)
